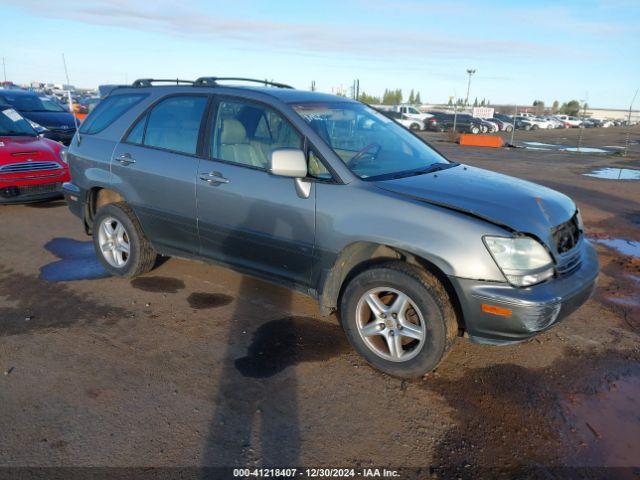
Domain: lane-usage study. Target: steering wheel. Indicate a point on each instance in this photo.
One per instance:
(371, 150)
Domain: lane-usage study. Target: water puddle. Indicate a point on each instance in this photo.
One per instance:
(78, 261)
(562, 148)
(607, 423)
(625, 247)
(615, 173)
(585, 150)
(201, 300)
(158, 284)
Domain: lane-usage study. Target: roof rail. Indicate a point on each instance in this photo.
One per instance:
(213, 82)
(148, 82)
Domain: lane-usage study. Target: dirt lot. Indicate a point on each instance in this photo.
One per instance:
(195, 365)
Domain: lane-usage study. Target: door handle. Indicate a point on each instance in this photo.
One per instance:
(125, 159)
(214, 178)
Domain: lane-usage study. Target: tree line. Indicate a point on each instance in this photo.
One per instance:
(391, 97)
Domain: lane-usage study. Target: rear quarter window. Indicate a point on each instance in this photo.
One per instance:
(108, 111)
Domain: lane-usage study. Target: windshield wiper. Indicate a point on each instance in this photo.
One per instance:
(434, 167)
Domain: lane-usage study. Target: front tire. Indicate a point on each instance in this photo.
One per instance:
(399, 318)
(120, 243)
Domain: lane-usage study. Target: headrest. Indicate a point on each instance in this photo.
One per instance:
(233, 132)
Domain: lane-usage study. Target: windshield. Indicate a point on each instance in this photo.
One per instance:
(13, 124)
(370, 144)
(32, 103)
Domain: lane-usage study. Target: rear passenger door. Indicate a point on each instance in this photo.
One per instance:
(246, 216)
(155, 168)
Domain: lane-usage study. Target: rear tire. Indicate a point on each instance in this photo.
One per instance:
(414, 127)
(410, 327)
(475, 130)
(120, 243)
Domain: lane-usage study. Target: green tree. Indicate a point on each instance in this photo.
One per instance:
(370, 99)
(475, 102)
(483, 103)
(538, 107)
(418, 101)
(555, 106)
(450, 102)
(412, 98)
(571, 107)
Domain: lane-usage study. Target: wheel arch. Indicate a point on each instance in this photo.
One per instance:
(97, 197)
(359, 256)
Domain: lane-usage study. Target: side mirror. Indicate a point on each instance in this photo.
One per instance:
(288, 162)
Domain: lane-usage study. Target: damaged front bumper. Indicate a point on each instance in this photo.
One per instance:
(498, 313)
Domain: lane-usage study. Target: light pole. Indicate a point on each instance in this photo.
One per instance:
(470, 71)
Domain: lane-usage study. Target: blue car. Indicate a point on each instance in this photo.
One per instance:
(46, 116)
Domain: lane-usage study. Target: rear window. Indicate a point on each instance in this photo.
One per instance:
(108, 111)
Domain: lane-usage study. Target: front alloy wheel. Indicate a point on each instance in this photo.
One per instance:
(390, 324)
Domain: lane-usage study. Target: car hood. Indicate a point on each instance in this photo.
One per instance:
(506, 201)
(51, 119)
(21, 149)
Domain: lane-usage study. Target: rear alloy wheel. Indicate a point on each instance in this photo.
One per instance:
(475, 130)
(415, 127)
(508, 128)
(399, 318)
(114, 242)
(120, 243)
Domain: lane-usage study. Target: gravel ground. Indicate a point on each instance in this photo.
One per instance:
(195, 365)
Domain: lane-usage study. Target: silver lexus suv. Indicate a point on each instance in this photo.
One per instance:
(329, 197)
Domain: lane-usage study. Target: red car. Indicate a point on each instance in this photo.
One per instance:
(32, 169)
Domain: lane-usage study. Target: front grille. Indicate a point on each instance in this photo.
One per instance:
(566, 238)
(23, 167)
(44, 188)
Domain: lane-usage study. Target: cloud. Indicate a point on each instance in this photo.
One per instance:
(171, 18)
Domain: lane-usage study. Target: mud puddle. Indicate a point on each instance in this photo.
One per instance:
(78, 261)
(279, 344)
(518, 421)
(608, 423)
(202, 300)
(615, 173)
(158, 284)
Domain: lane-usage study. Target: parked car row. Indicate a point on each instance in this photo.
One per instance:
(465, 123)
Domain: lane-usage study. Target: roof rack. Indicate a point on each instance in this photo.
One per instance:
(213, 82)
(148, 82)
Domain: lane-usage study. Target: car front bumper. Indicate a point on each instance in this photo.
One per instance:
(497, 313)
(30, 194)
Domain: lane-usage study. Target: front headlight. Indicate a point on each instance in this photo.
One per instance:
(63, 155)
(523, 260)
(37, 127)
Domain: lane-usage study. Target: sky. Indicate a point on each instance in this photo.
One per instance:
(586, 50)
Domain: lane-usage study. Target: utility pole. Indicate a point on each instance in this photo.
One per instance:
(470, 71)
(626, 143)
(4, 69)
(313, 85)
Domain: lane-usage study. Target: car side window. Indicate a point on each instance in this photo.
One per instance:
(316, 167)
(108, 111)
(247, 133)
(136, 135)
(174, 123)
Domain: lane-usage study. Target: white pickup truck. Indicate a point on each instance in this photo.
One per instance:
(408, 111)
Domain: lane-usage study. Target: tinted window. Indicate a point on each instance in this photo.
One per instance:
(136, 135)
(246, 133)
(108, 112)
(174, 124)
